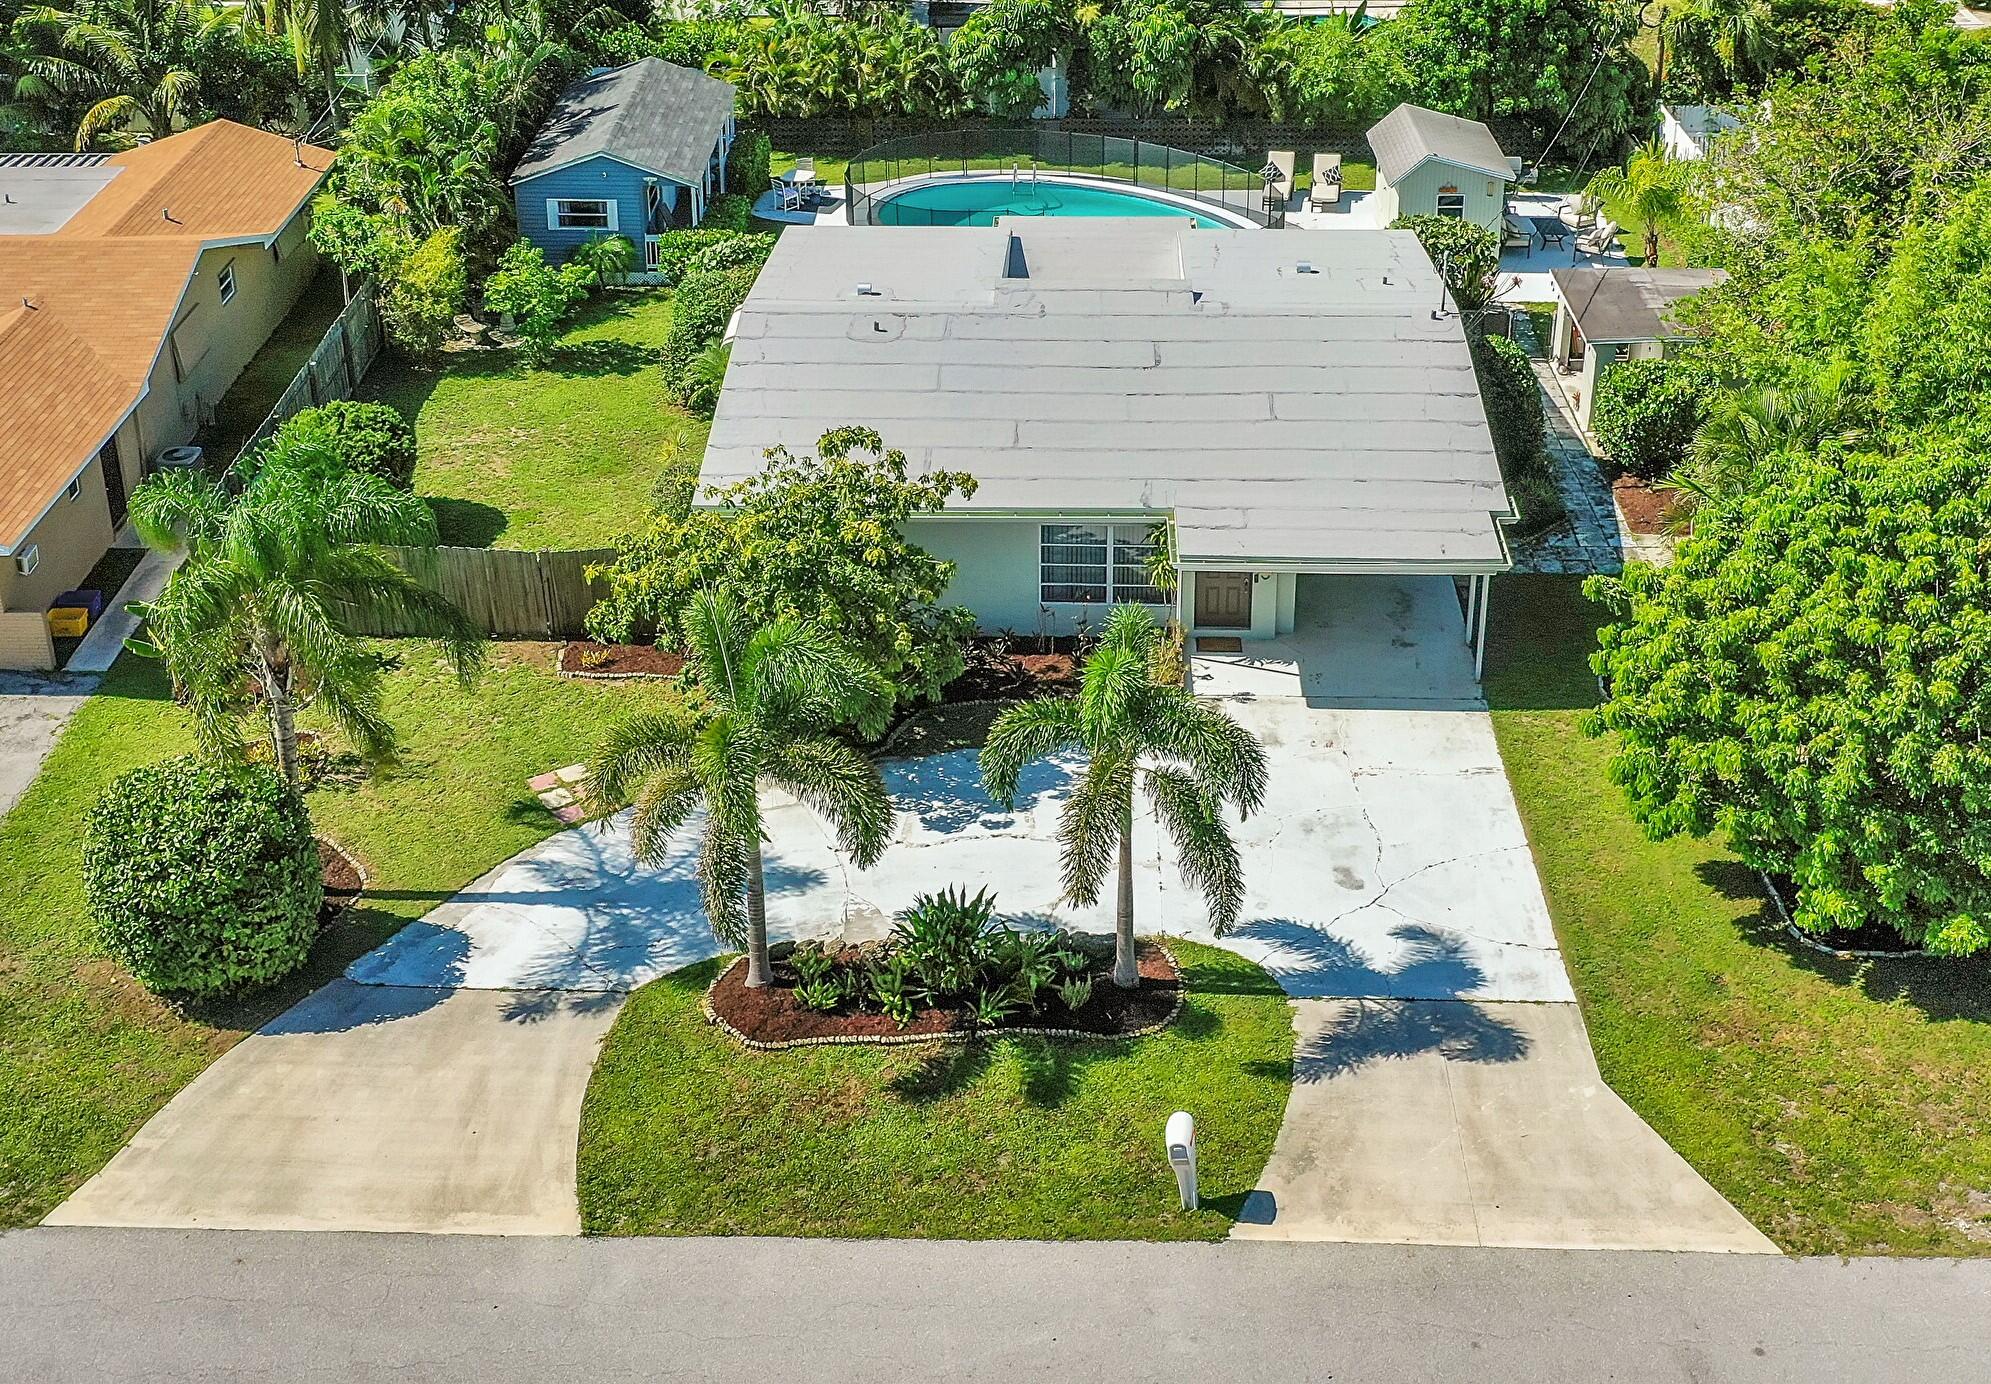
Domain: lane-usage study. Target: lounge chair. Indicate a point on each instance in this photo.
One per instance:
(1599, 239)
(1326, 189)
(1515, 235)
(1282, 159)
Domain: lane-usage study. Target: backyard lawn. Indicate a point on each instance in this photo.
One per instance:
(563, 457)
(1843, 1106)
(86, 1054)
(685, 1133)
(269, 372)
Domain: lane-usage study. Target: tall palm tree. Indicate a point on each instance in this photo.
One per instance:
(1651, 186)
(1192, 759)
(777, 693)
(1742, 35)
(259, 613)
(137, 61)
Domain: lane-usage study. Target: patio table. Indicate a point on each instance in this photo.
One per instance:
(1549, 229)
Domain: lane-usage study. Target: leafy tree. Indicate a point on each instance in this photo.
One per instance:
(1930, 319)
(1324, 73)
(256, 616)
(1726, 44)
(1155, 55)
(537, 296)
(424, 286)
(1192, 759)
(821, 539)
(138, 63)
(203, 877)
(1646, 412)
(1652, 186)
(777, 691)
(1744, 430)
(1468, 255)
(997, 54)
(1809, 677)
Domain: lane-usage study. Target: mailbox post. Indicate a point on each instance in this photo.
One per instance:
(1180, 1139)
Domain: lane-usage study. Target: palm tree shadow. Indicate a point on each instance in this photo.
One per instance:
(944, 1070)
(1366, 1031)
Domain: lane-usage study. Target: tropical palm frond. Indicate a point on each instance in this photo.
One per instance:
(725, 870)
(636, 748)
(716, 635)
(665, 803)
(794, 672)
(727, 757)
(361, 508)
(1118, 676)
(1023, 734)
(177, 511)
(842, 784)
(1224, 757)
(1194, 820)
(1096, 815)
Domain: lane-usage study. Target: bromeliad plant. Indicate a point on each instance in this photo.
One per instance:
(1192, 760)
(777, 692)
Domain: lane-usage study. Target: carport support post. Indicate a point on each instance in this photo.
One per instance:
(1485, 585)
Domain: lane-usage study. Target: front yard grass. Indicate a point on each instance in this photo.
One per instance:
(86, 1053)
(1843, 1106)
(683, 1132)
(563, 457)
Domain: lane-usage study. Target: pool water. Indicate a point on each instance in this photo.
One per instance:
(978, 202)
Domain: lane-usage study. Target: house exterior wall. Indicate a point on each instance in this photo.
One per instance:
(1417, 194)
(594, 178)
(997, 572)
(70, 538)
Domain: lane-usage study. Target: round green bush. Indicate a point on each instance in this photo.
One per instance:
(371, 438)
(1646, 412)
(203, 876)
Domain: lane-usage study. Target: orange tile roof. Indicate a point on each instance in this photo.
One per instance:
(110, 281)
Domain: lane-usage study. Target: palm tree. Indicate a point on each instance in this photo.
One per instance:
(1651, 186)
(259, 611)
(776, 692)
(137, 61)
(1742, 35)
(1744, 431)
(1197, 760)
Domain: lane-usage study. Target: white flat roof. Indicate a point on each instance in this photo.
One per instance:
(1325, 420)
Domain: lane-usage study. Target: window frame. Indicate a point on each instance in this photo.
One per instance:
(225, 286)
(1114, 543)
(1451, 194)
(558, 209)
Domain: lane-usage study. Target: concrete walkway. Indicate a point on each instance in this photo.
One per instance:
(100, 1307)
(34, 707)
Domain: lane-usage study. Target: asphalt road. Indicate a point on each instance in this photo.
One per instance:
(104, 1305)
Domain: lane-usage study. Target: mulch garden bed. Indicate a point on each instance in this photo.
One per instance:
(583, 658)
(1000, 668)
(1873, 940)
(772, 1017)
(1646, 507)
(343, 881)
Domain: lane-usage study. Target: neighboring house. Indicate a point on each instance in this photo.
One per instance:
(1288, 401)
(1605, 316)
(133, 289)
(631, 151)
(1428, 163)
(1686, 131)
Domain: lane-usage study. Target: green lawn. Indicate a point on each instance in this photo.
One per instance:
(557, 458)
(685, 1133)
(1844, 1107)
(86, 1054)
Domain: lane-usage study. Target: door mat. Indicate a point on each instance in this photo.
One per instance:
(1219, 644)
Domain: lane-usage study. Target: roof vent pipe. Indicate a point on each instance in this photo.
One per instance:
(1307, 267)
(866, 291)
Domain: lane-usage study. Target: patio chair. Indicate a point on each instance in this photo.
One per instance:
(1599, 239)
(805, 170)
(788, 197)
(1326, 189)
(1515, 235)
(1282, 159)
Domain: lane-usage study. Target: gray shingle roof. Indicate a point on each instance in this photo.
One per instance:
(654, 115)
(1083, 367)
(1621, 304)
(1409, 135)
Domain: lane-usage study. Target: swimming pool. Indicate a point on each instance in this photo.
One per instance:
(979, 201)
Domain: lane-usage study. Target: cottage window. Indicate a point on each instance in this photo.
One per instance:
(1096, 564)
(1451, 202)
(580, 214)
(225, 281)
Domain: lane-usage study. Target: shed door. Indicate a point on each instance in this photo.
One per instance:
(1223, 600)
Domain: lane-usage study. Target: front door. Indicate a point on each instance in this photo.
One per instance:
(1223, 600)
(107, 462)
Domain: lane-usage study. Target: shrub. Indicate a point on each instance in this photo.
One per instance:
(1513, 402)
(203, 876)
(751, 162)
(948, 941)
(536, 296)
(1646, 412)
(1466, 254)
(373, 439)
(729, 213)
(731, 251)
(675, 249)
(606, 257)
(705, 303)
(424, 287)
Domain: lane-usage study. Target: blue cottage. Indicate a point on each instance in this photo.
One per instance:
(632, 151)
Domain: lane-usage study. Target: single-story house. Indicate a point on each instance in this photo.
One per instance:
(1428, 164)
(633, 151)
(134, 287)
(1288, 402)
(1604, 316)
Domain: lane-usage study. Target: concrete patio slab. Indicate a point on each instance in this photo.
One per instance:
(34, 707)
(1460, 1123)
(372, 1108)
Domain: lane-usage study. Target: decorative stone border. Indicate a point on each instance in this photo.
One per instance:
(584, 676)
(971, 1035)
(1807, 940)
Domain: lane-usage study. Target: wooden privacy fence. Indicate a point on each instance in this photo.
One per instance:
(506, 593)
(339, 362)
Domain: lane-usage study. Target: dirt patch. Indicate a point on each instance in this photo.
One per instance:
(343, 881)
(1646, 508)
(583, 658)
(999, 667)
(773, 1015)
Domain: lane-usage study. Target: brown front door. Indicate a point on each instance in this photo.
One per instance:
(1223, 600)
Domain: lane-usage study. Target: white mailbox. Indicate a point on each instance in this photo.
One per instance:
(1180, 1139)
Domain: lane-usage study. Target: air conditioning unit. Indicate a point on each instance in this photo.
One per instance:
(178, 459)
(27, 560)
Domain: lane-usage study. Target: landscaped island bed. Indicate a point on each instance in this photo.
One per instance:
(684, 1132)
